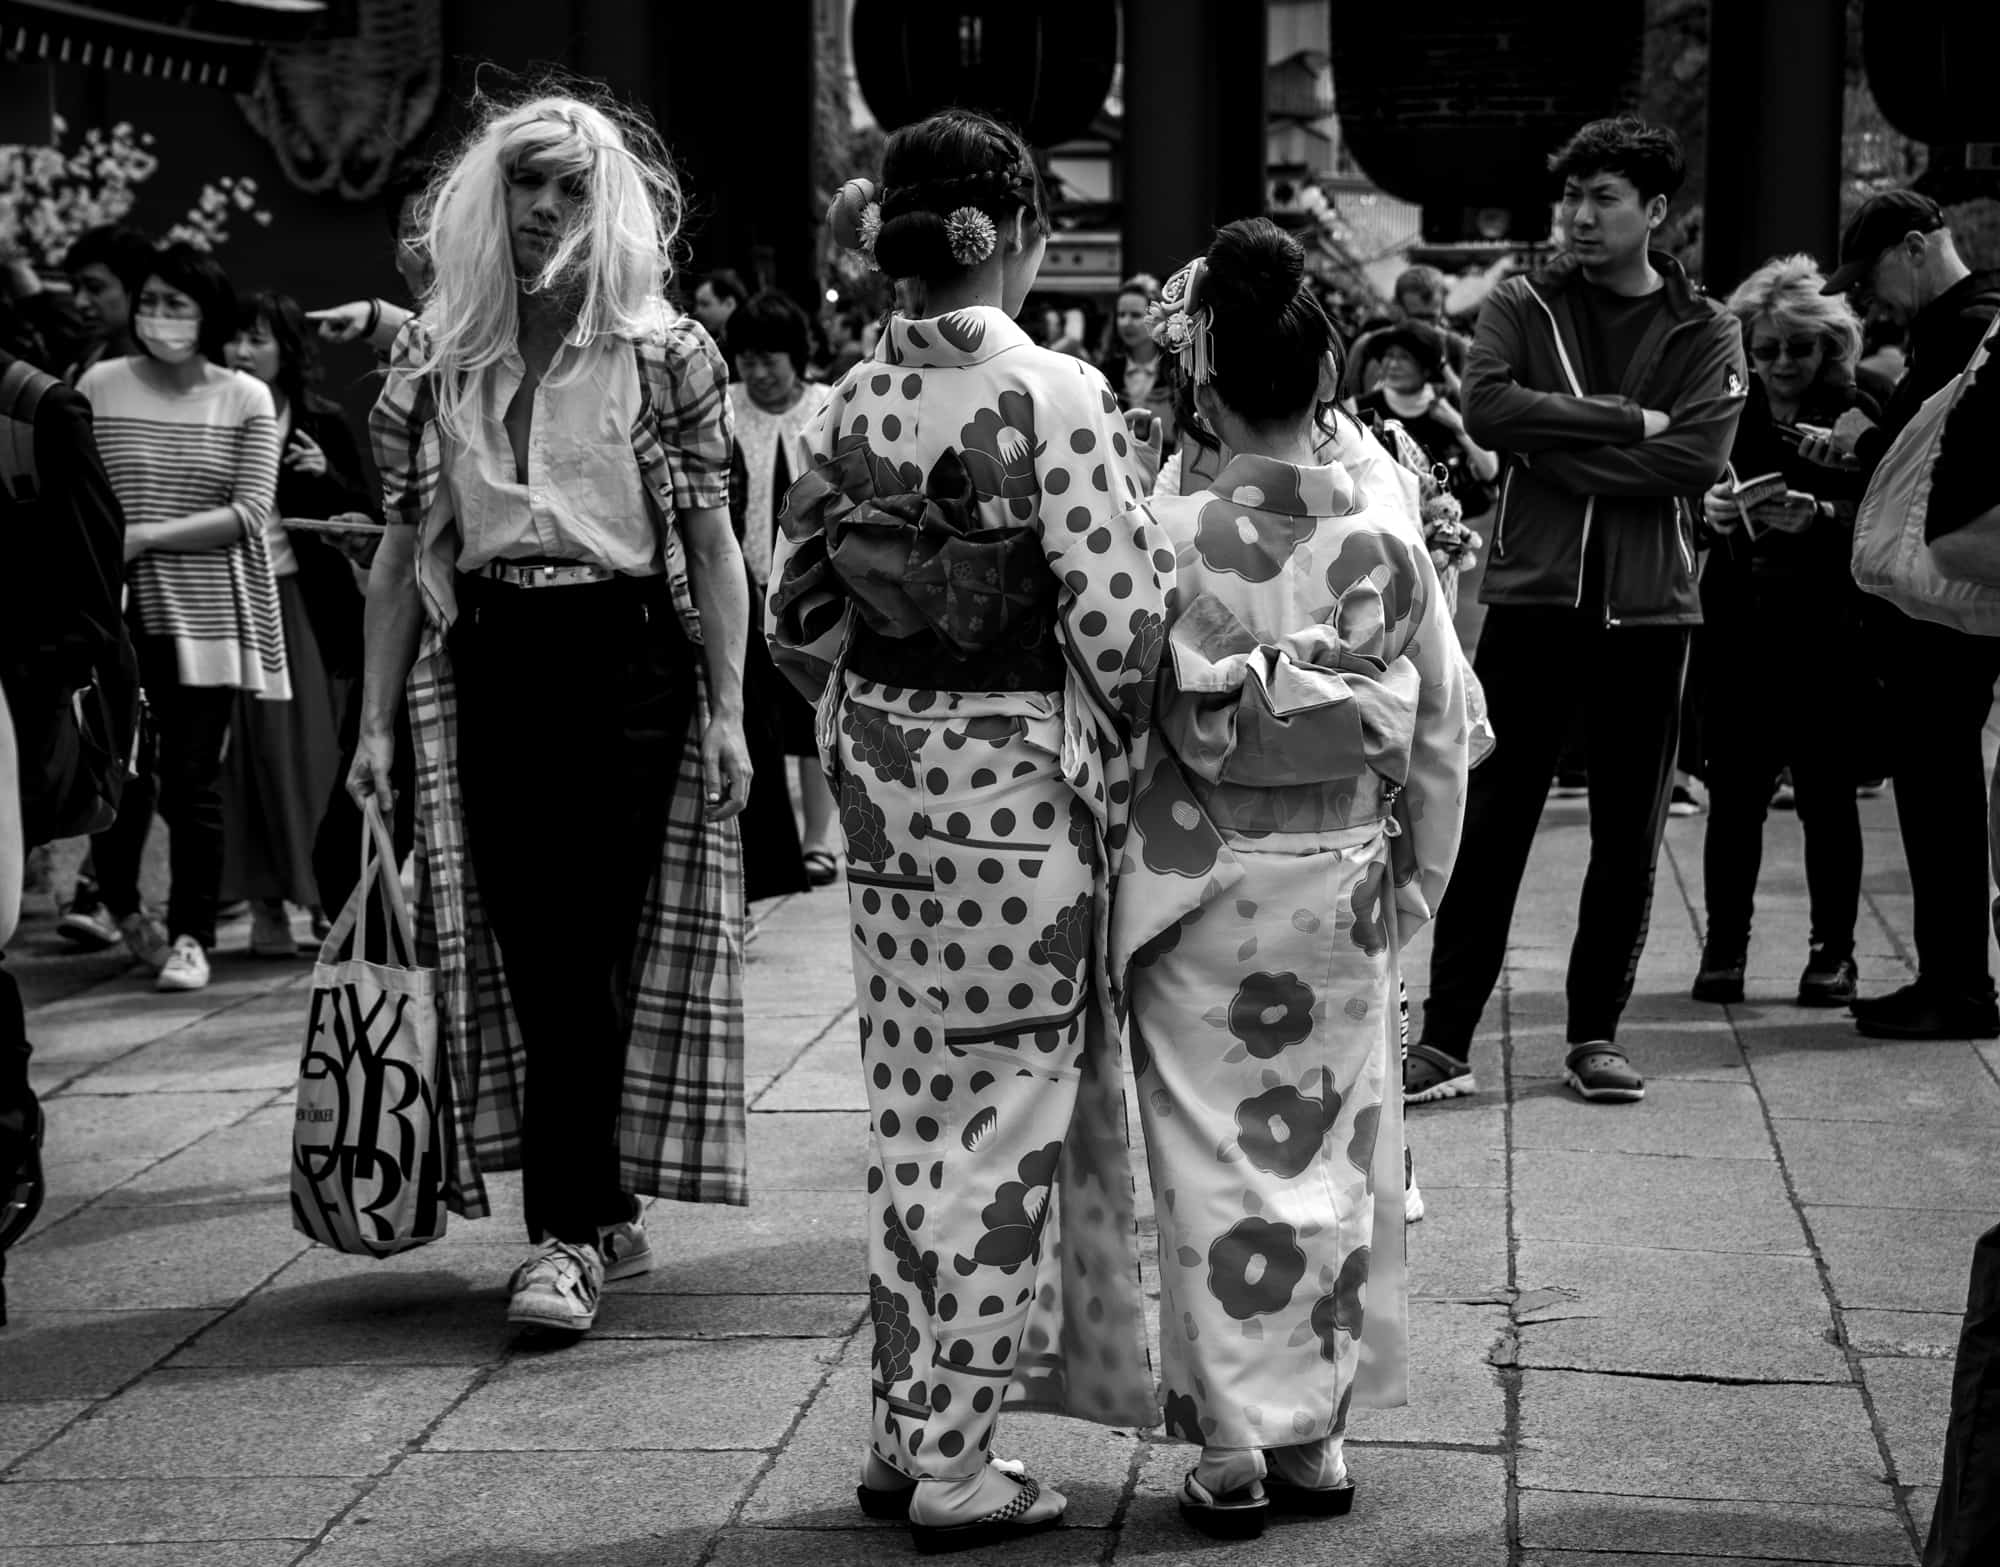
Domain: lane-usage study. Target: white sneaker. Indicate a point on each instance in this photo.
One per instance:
(627, 1252)
(146, 939)
(557, 1288)
(186, 967)
(1413, 1194)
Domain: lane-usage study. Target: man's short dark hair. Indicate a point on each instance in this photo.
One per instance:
(199, 275)
(118, 248)
(771, 324)
(725, 283)
(410, 179)
(1650, 156)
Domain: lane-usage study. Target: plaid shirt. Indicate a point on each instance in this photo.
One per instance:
(680, 1127)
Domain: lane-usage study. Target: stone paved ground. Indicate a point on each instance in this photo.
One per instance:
(1714, 1328)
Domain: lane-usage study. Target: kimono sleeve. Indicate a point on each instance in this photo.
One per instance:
(1430, 812)
(696, 424)
(1112, 560)
(402, 430)
(808, 655)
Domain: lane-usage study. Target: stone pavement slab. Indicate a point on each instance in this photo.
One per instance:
(1696, 1120)
(1698, 1050)
(331, 1420)
(1902, 1082)
(105, 1512)
(152, 1258)
(1638, 1436)
(1654, 1312)
(613, 1394)
(25, 1426)
(85, 1354)
(1612, 1199)
(1898, 1259)
(210, 1553)
(1913, 1401)
(1676, 1528)
(599, 1509)
(1917, 1335)
(1456, 1395)
(1906, 1165)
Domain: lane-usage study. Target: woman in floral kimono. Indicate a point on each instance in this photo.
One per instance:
(1297, 813)
(969, 585)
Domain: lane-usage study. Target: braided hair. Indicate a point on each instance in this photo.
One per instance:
(956, 158)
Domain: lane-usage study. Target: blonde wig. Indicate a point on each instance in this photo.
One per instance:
(610, 266)
(1788, 291)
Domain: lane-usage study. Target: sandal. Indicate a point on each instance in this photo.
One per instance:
(995, 1528)
(822, 869)
(1238, 1514)
(1602, 1073)
(1329, 1501)
(1429, 1074)
(892, 1502)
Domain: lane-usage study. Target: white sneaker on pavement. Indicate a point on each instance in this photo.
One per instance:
(186, 967)
(627, 1253)
(146, 939)
(557, 1288)
(1413, 1194)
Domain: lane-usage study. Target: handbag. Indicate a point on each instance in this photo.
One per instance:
(368, 1137)
(1891, 558)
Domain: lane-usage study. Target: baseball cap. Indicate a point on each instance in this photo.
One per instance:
(1881, 222)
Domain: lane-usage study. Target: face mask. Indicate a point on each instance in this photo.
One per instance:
(171, 341)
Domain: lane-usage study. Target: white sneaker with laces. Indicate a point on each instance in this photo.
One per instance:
(557, 1288)
(627, 1252)
(146, 939)
(186, 967)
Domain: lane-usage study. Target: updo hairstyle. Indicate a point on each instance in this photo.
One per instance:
(1269, 329)
(954, 159)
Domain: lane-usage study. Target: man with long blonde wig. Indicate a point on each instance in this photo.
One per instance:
(561, 599)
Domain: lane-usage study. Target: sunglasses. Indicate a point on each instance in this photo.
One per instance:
(1796, 349)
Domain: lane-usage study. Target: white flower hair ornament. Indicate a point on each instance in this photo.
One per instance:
(1182, 325)
(854, 217)
(971, 235)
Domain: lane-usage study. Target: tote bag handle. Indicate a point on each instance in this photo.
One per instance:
(381, 875)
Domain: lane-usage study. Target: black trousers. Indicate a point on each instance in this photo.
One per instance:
(191, 727)
(1770, 703)
(573, 710)
(1541, 668)
(1965, 1525)
(1940, 689)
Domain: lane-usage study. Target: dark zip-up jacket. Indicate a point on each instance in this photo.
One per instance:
(1579, 476)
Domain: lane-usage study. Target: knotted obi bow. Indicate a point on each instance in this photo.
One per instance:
(1314, 706)
(914, 562)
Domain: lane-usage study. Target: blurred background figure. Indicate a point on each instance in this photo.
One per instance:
(284, 757)
(1780, 614)
(716, 298)
(843, 323)
(773, 404)
(1130, 359)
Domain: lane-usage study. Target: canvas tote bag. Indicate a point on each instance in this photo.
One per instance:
(368, 1141)
(1891, 558)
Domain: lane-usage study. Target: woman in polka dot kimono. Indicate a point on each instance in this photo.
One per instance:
(982, 639)
(1298, 807)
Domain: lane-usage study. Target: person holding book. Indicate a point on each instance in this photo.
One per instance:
(1780, 613)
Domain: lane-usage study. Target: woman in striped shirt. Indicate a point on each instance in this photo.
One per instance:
(192, 450)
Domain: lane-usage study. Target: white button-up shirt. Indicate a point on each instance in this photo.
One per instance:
(583, 499)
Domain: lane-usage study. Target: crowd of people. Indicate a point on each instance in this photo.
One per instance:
(1122, 691)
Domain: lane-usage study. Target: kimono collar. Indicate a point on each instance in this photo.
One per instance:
(965, 337)
(1285, 488)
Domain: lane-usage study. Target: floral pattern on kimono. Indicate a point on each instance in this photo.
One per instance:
(1301, 797)
(975, 496)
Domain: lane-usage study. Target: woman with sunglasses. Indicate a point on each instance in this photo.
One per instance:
(1781, 615)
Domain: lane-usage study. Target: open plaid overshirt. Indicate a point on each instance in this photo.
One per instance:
(680, 1126)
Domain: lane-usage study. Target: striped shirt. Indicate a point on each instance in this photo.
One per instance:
(169, 455)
